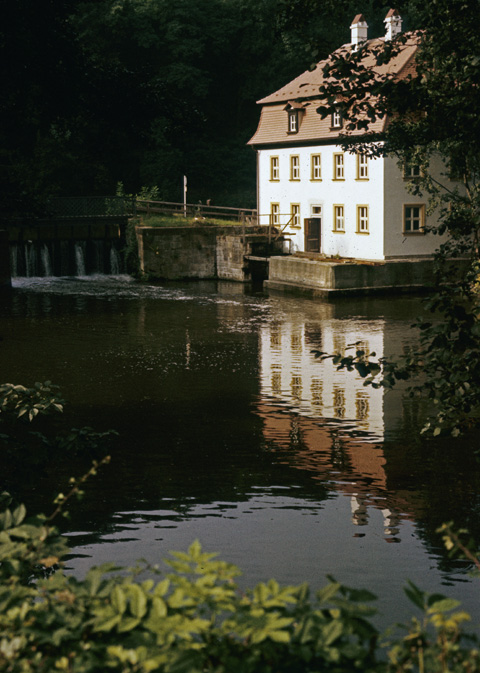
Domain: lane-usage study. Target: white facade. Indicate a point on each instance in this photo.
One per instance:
(363, 205)
(291, 375)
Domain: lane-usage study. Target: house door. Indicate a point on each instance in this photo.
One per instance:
(313, 230)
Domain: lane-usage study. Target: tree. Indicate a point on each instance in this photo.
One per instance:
(97, 92)
(434, 114)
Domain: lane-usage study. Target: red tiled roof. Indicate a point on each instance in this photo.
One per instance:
(273, 127)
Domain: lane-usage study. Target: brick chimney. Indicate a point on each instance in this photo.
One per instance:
(393, 24)
(359, 31)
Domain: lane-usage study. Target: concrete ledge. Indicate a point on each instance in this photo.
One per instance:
(298, 275)
(298, 289)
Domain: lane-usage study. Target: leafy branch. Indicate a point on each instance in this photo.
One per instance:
(75, 490)
(22, 402)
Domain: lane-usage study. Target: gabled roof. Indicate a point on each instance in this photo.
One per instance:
(273, 128)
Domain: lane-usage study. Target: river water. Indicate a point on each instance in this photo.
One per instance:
(231, 432)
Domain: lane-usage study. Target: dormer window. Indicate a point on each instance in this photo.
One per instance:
(293, 110)
(337, 121)
(293, 121)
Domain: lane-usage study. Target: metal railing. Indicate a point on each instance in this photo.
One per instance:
(276, 228)
(200, 210)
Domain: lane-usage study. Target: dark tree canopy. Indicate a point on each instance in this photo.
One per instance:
(96, 92)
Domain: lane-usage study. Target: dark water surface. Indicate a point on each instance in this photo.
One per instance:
(231, 432)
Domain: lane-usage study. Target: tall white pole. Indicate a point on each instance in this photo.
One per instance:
(184, 196)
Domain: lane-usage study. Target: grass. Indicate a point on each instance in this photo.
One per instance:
(180, 221)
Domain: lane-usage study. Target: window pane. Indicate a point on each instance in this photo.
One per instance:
(339, 218)
(362, 167)
(413, 218)
(362, 217)
(294, 168)
(316, 167)
(338, 166)
(295, 215)
(274, 168)
(275, 212)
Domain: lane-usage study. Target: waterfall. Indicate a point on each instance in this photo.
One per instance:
(30, 259)
(46, 261)
(65, 258)
(114, 262)
(14, 260)
(80, 259)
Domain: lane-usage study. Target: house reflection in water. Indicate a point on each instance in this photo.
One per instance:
(326, 422)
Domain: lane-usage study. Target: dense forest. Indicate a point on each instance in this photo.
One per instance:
(141, 92)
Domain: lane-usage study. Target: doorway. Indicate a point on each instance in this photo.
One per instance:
(313, 230)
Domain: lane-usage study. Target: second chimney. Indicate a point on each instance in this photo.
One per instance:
(393, 24)
(359, 31)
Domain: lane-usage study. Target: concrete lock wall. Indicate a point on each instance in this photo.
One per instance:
(177, 252)
(305, 276)
(230, 253)
(173, 253)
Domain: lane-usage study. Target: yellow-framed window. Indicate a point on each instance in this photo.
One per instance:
(339, 218)
(362, 220)
(362, 167)
(294, 167)
(275, 214)
(339, 166)
(414, 218)
(316, 166)
(274, 168)
(295, 215)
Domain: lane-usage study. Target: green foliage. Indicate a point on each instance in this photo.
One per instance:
(24, 449)
(443, 368)
(433, 120)
(195, 618)
(27, 403)
(83, 440)
(434, 643)
(459, 543)
(144, 92)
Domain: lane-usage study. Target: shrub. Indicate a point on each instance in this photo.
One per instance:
(195, 619)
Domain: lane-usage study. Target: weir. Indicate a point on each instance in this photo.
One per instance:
(66, 258)
(80, 237)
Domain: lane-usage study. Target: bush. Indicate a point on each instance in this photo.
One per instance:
(195, 618)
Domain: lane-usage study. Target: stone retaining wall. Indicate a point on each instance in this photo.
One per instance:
(174, 253)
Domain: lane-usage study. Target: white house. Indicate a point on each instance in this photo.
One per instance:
(329, 201)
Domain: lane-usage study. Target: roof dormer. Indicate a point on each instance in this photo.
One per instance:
(359, 31)
(294, 111)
